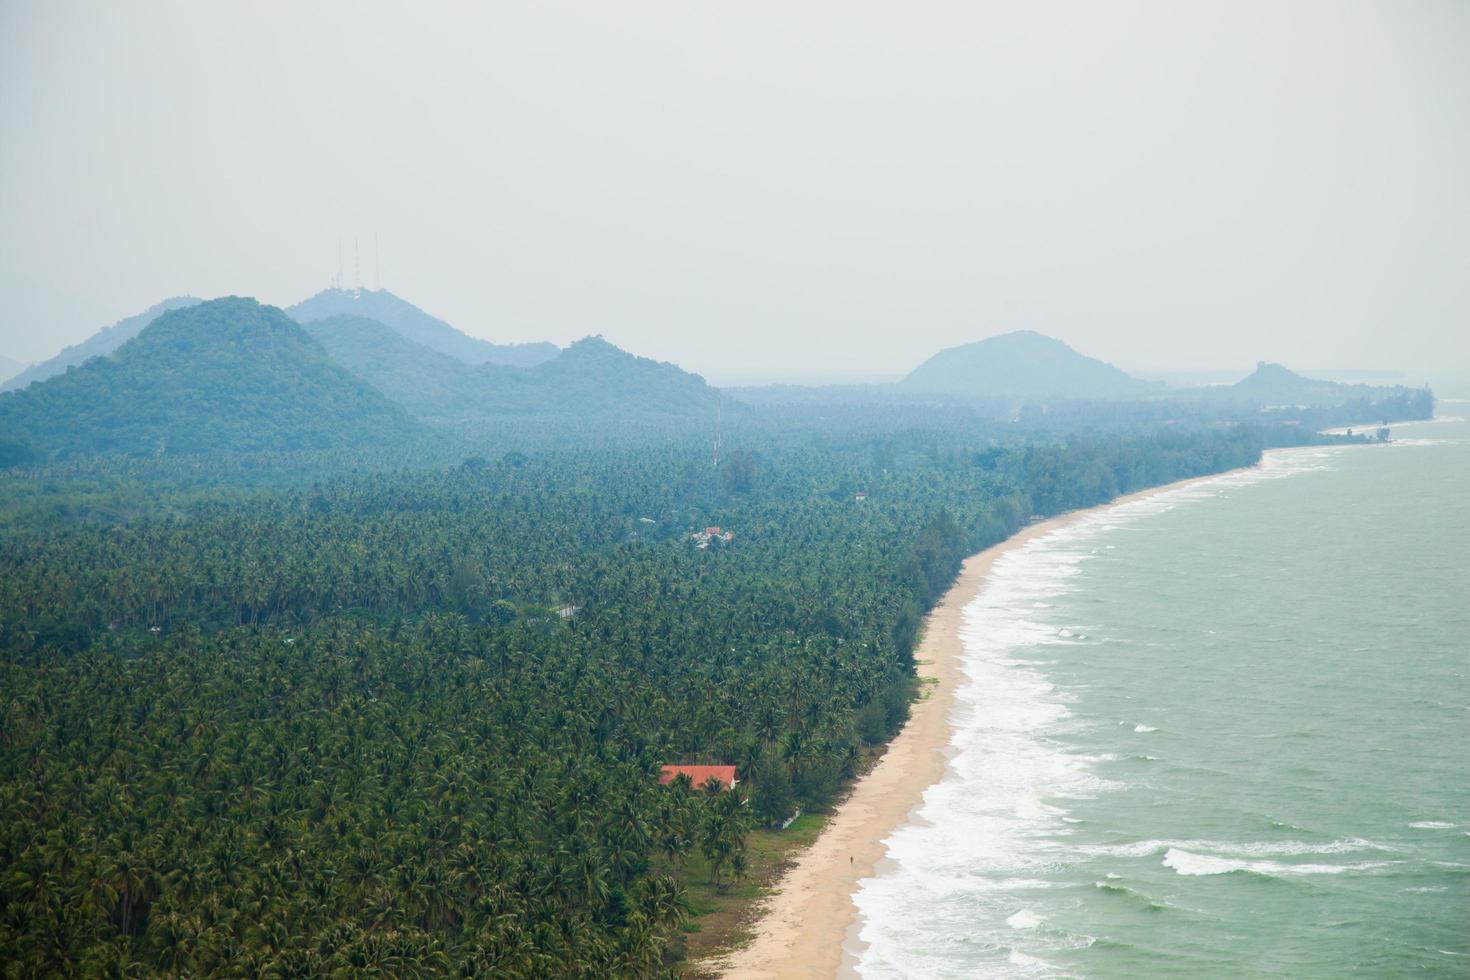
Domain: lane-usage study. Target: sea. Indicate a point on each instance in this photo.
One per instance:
(1219, 731)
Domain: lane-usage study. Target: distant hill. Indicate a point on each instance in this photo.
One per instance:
(1275, 391)
(229, 375)
(594, 377)
(1023, 364)
(418, 326)
(1273, 384)
(103, 342)
(430, 384)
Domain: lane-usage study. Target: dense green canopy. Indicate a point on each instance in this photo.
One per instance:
(344, 728)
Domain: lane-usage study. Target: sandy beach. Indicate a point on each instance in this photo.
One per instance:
(805, 927)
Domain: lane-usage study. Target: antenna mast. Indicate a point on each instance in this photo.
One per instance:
(377, 263)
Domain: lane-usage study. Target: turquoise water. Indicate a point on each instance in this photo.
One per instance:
(1223, 730)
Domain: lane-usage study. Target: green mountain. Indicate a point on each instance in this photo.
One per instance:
(594, 378)
(418, 326)
(591, 379)
(101, 343)
(1023, 364)
(428, 383)
(229, 375)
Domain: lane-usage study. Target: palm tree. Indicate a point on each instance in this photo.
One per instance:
(131, 885)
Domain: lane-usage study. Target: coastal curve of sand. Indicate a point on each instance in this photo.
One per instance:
(807, 927)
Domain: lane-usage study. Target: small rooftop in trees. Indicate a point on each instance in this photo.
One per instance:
(699, 775)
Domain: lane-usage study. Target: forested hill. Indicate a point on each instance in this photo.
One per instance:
(418, 326)
(1023, 364)
(591, 380)
(228, 375)
(593, 377)
(430, 384)
(103, 342)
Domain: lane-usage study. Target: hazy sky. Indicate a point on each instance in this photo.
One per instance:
(760, 190)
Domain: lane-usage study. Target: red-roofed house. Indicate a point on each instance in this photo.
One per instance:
(699, 775)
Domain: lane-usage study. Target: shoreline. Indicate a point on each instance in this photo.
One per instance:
(809, 926)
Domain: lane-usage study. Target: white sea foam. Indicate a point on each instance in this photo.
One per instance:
(986, 829)
(1432, 825)
(992, 834)
(1233, 849)
(1024, 919)
(1188, 863)
(1018, 958)
(1144, 729)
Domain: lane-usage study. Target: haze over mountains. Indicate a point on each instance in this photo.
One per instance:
(1023, 364)
(1273, 384)
(418, 326)
(232, 375)
(9, 368)
(228, 374)
(589, 377)
(594, 376)
(426, 382)
(1027, 368)
(101, 343)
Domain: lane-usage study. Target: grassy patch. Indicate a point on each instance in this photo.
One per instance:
(724, 920)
